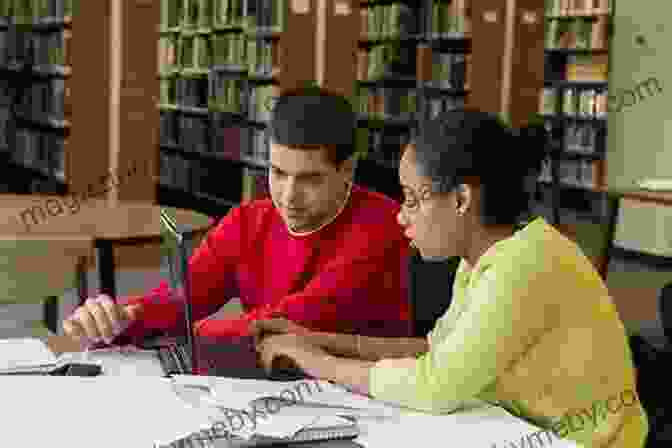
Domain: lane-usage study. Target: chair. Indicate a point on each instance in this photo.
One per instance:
(430, 291)
(33, 269)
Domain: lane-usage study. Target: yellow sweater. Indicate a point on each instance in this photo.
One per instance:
(533, 329)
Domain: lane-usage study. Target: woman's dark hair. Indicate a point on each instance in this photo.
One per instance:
(465, 144)
(312, 118)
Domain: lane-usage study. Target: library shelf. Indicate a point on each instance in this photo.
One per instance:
(576, 51)
(564, 118)
(588, 16)
(590, 85)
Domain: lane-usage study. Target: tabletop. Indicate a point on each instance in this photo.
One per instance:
(63, 215)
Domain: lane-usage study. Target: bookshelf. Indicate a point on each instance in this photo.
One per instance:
(573, 104)
(221, 63)
(416, 59)
(35, 69)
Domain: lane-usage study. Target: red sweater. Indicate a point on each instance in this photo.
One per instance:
(350, 276)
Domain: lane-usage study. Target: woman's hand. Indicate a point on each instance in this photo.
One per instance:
(262, 328)
(289, 347)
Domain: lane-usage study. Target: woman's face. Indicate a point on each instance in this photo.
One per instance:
(430, 220)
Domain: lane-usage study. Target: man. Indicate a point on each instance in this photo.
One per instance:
(321, 252)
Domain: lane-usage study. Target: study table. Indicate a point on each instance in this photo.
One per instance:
(477, 425)
(127, 223)
(614, 197)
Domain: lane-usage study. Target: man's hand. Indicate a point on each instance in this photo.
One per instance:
(100, 319)
(290, 349)
(260, 329)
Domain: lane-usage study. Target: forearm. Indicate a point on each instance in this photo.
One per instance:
(351, 373)
(368, 348)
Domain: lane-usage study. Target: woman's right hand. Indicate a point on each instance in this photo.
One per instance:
(100, 319)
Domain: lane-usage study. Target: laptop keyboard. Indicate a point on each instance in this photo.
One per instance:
(175, 359)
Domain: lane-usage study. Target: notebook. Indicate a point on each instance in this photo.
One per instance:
(329, 431)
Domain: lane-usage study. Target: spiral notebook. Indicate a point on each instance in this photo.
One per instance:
(340, 436)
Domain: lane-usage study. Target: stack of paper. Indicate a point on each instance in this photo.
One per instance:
(282, 408)
(25, 355)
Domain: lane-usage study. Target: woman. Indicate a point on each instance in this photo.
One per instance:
(531, 327)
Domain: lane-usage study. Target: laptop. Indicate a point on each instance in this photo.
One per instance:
(232, 357)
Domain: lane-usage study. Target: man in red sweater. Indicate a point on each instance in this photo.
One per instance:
(321, 252)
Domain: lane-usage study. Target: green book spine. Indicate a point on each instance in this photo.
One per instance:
(436, 28)
(252, 55)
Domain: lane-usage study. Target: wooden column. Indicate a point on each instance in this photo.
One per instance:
(297, 45)
(112, 151)
(341, 34)
(136, 156)
(88, 148)
(508, 58)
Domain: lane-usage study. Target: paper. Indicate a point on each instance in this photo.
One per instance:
(80, 412)
(24, 353)
(483, 426)
(239, 393)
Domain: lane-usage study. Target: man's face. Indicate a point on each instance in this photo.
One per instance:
(305, 187)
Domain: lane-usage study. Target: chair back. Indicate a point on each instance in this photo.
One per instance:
(430, 291)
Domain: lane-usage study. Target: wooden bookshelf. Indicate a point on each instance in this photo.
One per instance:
(217, 91)
(573, 103)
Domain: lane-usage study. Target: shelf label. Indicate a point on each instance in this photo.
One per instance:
(301, 6)
(342, 8)
(490, 16)
(530, 17)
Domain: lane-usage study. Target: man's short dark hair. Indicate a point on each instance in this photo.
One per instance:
(313, 118)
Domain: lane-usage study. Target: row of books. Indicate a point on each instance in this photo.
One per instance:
(438, 104)
(255, 184)
(449, 70)
(48, 48)
(227, 94)
(45, 100)
(593, 68)
(207, 135)
(387, 102)
(206, 15)
(450, 18)
(576, 173)
(233, 52)
(218, 92)
(385, 147)
(581, 138)
(30, 147)
(577, 102)
(381, 60)
(577, 7)
(580, 33)
(388, 21)
(35, 11)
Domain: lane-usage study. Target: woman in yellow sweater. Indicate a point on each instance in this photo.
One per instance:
(531, 327)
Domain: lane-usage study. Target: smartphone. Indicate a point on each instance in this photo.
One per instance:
(76, 369)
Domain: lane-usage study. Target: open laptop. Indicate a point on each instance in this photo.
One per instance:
(234, 358)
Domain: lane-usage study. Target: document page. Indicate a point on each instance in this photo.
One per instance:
(24, 353)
